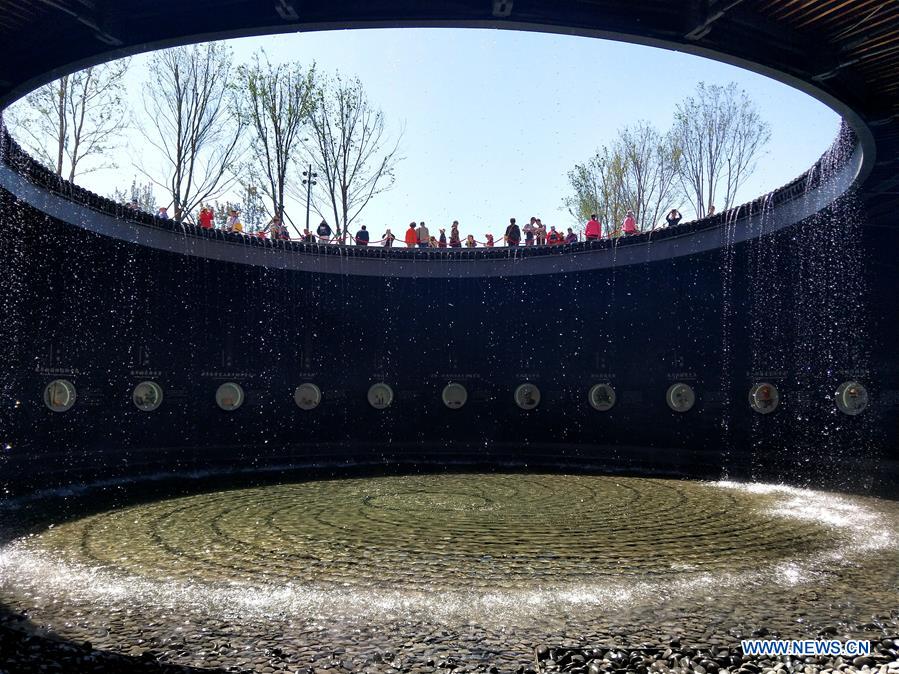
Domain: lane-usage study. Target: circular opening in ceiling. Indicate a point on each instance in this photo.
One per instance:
(480, 110)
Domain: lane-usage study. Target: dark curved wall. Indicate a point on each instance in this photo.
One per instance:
(805, 308)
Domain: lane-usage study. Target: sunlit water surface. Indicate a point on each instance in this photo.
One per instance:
(521, 556)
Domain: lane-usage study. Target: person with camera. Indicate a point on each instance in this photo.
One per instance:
(673, 218)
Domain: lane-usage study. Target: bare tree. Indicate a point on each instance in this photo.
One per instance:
(278, 100)
(350, 150)
(649, 161)
(194, 123)
(638, 172)
(720, 134)
(76, 118)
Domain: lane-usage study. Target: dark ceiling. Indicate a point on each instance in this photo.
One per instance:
(846, 52)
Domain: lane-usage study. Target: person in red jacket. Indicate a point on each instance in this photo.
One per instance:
(206, 217)
(630, 224)
(593, 230)
(411, 236)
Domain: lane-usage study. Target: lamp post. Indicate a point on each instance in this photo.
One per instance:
(308, 181)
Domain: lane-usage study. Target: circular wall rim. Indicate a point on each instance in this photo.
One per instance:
(779, 67)
(694, 47)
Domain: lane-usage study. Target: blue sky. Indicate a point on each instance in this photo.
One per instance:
(495, 119)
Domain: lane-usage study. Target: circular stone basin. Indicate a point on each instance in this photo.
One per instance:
(452, 532)
(571, 552)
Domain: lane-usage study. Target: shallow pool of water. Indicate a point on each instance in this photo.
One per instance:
(524, 558)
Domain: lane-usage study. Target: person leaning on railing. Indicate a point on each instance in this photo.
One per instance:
(275, 228)
(629, 226)
(528, 230)
(324, 232)
(512, 237)
(411, 236)
(553, 237)
(455, 240)
(206, 217)
(233, 224)
(593, 229)
(422, 236)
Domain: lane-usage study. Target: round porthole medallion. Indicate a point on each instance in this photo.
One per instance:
(60, 395)
(764, 397)
(454, 395)
(527, 396)
(852, 398)
(307, 396)
(147, 396)
(229, 396)
(380, 396)
(680, 397)
(602, 397)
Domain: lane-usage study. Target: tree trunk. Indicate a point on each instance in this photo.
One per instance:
(61, 111)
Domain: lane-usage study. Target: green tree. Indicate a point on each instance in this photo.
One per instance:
(220, 212)
(637, 171)
(253, 213)
(142, 193)
(596, 187)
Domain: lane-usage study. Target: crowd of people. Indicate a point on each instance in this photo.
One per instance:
(533, 233)
(417, 235)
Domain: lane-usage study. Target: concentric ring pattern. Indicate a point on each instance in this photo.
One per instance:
(451, 531)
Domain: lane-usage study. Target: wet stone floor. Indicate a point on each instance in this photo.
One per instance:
(457, 572)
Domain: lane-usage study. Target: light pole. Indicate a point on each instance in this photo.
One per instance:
(308, 181)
